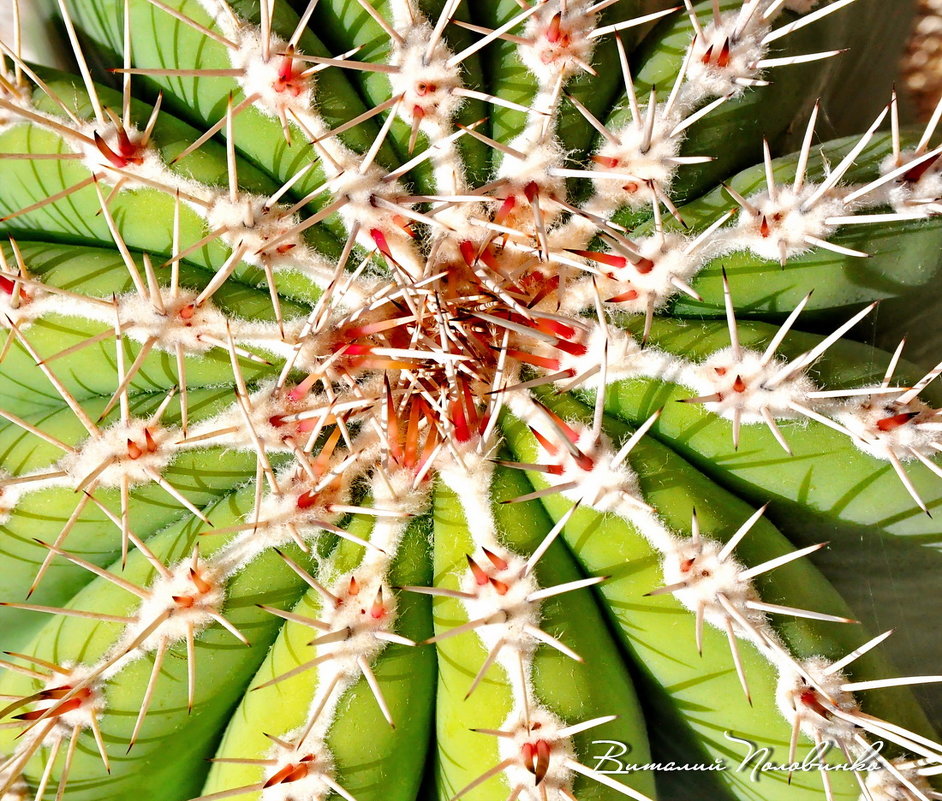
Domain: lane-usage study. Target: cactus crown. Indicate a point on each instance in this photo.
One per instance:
(320, 312)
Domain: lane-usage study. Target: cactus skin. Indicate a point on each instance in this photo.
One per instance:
(385, 412)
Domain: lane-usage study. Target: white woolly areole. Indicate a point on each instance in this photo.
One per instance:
(362, 210)
(360, 191)
(180, 323)
(359, 615)
(503, 601)
(600, 485)
(426, 84)
(560, 41)
(266, 407)
(631, 164)
(263, 78)
(784, 222)
(884, 785)
(918, 197)
(8, 498)
(96, 161)
(280, 510)
(812, 702)
(248, 224)
(881, 426)
(141, 167)
(25, 309)
(626, 357)
(707, 576)
(538, 731)
(723, 62)
(85, 715)
(191, 597)
(122, 451)
(746, 386)
(311, 769)
(539, 158)
(300, 509)
(664, 268)
(92, 701)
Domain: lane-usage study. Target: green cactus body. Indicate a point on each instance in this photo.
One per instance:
(390, 393)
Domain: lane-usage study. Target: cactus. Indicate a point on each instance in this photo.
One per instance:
(409, 400)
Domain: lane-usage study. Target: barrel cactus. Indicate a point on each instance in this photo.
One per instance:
(426, 399)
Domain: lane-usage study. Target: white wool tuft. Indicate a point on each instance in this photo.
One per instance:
(559, 41)
(192, 595)
(505, 603)
(725, 60)
(917, 198)
(262, 78)
(785, 222)
(92, 701)
(885, 784)
(813, 700)
(122, 451)
(748, 386)
(882, 426)
(426, 84)
(540, 725)
(601, 485)
(707, 576)
(638, 163)
(663, 268)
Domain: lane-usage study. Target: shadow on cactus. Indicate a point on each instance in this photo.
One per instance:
(390, 393)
